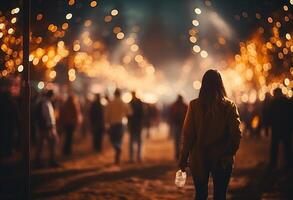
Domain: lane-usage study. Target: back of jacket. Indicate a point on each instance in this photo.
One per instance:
(207, 138)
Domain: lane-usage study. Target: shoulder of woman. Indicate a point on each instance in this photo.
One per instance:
(229, 102)
(194, 102)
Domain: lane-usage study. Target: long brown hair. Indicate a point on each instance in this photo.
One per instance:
(212, 91)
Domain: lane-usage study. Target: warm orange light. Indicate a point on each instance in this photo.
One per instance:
(93, 4)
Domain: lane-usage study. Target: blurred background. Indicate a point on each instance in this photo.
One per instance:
(160, 50)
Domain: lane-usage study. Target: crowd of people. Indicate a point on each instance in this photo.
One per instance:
(53, 117)
(271, 118)
(56, 121)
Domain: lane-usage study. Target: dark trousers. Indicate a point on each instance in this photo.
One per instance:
(46, 135)
(67, 148)
(221, 177)
(287, 145)
(116, 133)
(135, 138)
(6, 141)
(97, 139)
(176, 136)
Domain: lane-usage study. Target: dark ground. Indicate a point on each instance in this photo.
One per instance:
(88, 175)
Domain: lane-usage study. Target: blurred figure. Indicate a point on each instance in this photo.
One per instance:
(116, 110)
(135, 124)
(8, 119)
(279, 119)
(265, 114)
(211, 137)
(96, 117)
(177, 114)
(147, 119)
(70, 118)
(46, 128)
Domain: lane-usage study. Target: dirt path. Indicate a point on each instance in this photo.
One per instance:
(95, 177)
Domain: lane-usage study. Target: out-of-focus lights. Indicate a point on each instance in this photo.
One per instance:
(93, 4)
(270, 20)
(197, 85)
(116, 29)
(126, 59)
(126, 97)
(291, 2)
(278, 24)
(244, 98)
(71, 75)
(72, 78)
(288, 36)
(39, 17)
(15, 11)
(1, 34)
(71, 2)
(197, 11)
(41, 85)
(120, 36)
(13, 20)
(76, 47)
(108, 18)
(2, 25)
(192, 39)
(52, 74)
(257, 16)
(130, 41)
(65, 26)
(287, 82)
(204, 54)
(285, 8)
(138, 58)
(68, 16)
(114, 12)
(10, 31)
(20, 68)
(4, 72)
(196, 48)
(88, 23)
(45, 58)
(195, 22)
(134, 48)
(150, 70)
(36, 61)
(71, 72)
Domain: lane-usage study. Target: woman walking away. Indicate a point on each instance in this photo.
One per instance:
(211, 137)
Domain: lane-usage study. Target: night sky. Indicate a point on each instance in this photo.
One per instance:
(163, 24)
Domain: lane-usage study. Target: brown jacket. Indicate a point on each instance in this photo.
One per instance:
(207, 142)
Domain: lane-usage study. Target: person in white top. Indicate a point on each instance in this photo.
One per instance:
(115, 111)
(46, 126)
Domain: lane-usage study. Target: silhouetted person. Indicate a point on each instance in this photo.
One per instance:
(8, 119)
(177, 114)
(265, 113)
(70, 117)
(96, 117)
(211, 137)
(280, 122)
(116, 110)
(135, 124)
(147, 119)
(46, 126)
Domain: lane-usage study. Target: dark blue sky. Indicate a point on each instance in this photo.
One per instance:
(164, 24)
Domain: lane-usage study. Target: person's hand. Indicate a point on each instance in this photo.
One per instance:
(183, 166)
